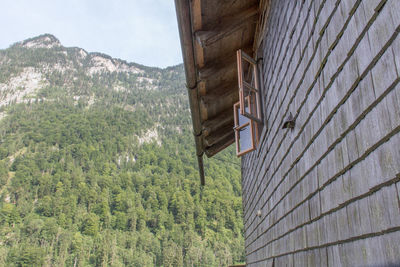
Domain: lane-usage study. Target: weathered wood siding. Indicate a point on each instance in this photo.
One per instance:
(328, 191)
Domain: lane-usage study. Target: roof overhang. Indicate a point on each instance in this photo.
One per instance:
(211, 32)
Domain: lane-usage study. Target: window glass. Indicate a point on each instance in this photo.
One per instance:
(243, 119)
(248, 87)
(245, 132)
(245, 142)
(247, 112)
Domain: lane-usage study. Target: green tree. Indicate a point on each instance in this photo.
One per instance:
(90, 225)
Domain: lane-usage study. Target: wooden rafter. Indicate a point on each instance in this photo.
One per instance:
(218, 135)
(211, 32)
(226, 26)
(223, 118)
(221, 145)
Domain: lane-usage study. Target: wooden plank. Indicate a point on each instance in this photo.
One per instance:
(333, 256)
(218, 135)
(194, 107)
(201, 88)
(220, 77)
(212, 105)
(223, 118)
(201, 169)
(264, 7)
(199, 53)
(213, 11)
(217, 68)
(215, 57)
(185, 32)
(196, 15)
(220, 91)
(219, 29)
(214, 149)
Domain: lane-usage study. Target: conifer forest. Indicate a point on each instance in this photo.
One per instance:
(98, 166)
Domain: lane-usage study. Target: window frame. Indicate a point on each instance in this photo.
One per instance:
(253, 110)
(237, 128)
(242, 56)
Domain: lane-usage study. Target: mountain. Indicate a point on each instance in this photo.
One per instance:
(97, 166)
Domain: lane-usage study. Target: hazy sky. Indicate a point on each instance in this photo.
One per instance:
(141, 31)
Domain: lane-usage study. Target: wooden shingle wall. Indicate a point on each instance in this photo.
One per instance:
(328, 191)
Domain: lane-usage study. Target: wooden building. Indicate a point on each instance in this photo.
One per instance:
(310, 91)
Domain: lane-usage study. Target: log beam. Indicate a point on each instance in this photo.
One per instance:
(212, 105)
(224, 118)
(224, 143)
(219, 29)
(220, 65)
(185, 33)
(220, 134)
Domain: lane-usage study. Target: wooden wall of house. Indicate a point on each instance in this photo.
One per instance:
(328, 190)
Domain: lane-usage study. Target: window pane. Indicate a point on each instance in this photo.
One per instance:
(245, 138)
(253, 104)
(243, 119)
(245, 131)
(247, 71)
(250, 104)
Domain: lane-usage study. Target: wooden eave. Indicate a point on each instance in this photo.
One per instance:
(211, 31)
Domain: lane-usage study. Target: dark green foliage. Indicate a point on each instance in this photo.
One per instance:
(26, 256)
(78, 187)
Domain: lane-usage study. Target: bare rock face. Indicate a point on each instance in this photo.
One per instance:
(43, 62)
(42, 41)
(107, 64)
(26, 83)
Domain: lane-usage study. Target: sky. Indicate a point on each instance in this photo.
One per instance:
(140, 31)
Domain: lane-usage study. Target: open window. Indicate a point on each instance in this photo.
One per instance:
(247, 112)
(249, 92)
(246, 131)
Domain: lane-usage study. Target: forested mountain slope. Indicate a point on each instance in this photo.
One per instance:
(98, 168)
